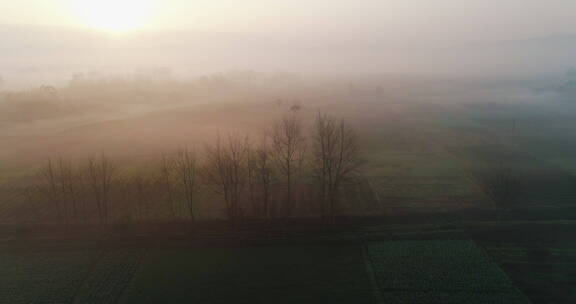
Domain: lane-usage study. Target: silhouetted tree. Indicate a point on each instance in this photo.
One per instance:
(100, 174)
(51, 187)
(225, 170)
(334, 159)
(186, 170)
(31, 194)
(503, 187)
(167, 168)
(264, 175)
(287, 141)
(140, 185)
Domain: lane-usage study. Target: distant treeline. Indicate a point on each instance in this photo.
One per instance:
(289, 171)
(89, 93)
(92, 92)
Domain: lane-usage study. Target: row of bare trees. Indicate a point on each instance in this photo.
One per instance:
(267, 178)
(71, 191)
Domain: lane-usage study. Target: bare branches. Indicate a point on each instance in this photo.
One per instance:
(287, 141)
(60, 184)
(264, 174)
(186, 169)
(100, 173)
(226, 170)
(503, 187)
(259, 180)
(167, 176)
(50, 187)
(334, 159)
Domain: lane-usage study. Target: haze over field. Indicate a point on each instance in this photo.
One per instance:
(276, 151)
(140, 78)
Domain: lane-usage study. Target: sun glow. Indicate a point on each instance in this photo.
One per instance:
(116, 16)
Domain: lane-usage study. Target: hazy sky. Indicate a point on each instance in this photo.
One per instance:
(403, 21)
(521, 37)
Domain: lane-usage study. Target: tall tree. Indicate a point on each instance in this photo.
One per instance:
(100, 174)
(264, 176)
(167, 168)
(334, 160)
(186, 169)
(503, 187)
(141, 185)
(288, 145)
(69, 184)
(225, 170)
(51, 186)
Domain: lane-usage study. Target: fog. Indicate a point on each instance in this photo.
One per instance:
(76, 81)
(272, 151)
(439, 98)
(37, 55)
(45, 42)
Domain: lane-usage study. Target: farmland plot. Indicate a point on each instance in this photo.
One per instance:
(42, 277)
(276, 274)
(110, 277)
(428, 178)
(59, 276)
(452, 271)
(547, 273)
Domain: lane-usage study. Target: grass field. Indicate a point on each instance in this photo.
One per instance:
(254, 275)
(409, 271)
(542, 265)
(42, 277)
(65, 276)
(440, 271)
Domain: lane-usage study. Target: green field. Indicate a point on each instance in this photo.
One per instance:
(331, 274)
(66, 276)
(434, 271)
(194, 275)
(451, 271)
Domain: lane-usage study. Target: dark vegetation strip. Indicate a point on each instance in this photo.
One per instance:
(372, 274)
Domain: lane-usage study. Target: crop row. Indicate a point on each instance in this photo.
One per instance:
(110, 277)
(438, 266)
(42, 276)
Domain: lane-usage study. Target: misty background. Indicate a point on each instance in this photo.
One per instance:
(44, 42)
(419, 139)
(422, 82)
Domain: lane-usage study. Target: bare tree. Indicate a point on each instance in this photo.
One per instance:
(167, 168)
(62, 184)
(264, 175)
(100, 174)
(251, 182)
(288, 146)
(503, 187)
(126, 193)
(31, 194)
(51, 187)
(225, 169)
(70, 188)
(141, 188)
(334, 160)
(186, 169)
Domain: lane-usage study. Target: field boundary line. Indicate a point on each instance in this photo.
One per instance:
(496, 264)
(125, 293)
(375, 193)
(89, 271)
(377, 291)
